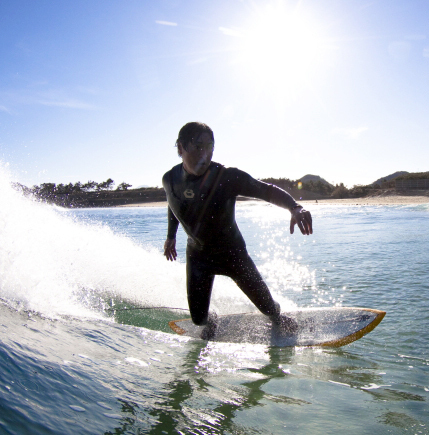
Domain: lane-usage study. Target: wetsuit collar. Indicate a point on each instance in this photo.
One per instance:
(186, 176)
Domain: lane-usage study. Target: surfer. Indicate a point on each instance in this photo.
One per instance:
(201, 197)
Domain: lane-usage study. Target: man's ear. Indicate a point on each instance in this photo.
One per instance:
(179, 149)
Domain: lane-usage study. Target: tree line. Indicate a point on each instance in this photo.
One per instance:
(324, 189)
(414, 176)
(47, 190)
(66, 194)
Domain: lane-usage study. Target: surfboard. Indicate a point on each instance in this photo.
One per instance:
(333, 327)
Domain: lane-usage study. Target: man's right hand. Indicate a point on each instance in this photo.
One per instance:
(170, 249)
(303, 219)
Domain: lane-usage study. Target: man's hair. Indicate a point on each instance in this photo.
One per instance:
(191, 131)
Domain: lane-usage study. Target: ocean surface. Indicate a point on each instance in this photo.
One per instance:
(85, 348)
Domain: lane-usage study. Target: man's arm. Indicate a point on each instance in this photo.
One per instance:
(277, 196)
(170, 244)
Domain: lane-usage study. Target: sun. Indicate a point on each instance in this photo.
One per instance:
(281, 49)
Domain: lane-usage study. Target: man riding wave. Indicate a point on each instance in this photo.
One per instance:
(201, 197)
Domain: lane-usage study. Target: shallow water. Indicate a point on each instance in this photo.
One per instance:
(69, 364)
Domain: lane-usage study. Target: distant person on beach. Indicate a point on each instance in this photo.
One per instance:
(201, 197)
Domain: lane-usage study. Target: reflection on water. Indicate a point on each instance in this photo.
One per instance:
(99, 375)
(203, 398)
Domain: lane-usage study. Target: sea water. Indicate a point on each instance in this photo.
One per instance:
(84, 348)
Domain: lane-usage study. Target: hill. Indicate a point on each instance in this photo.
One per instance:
(414, 176)
(390, 177)
(314, 178)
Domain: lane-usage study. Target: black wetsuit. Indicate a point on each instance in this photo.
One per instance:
(205, 206)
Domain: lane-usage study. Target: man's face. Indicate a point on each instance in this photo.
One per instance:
(198, 155)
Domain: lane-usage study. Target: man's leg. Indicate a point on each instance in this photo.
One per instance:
(250, 281)
(199, 286)
(243, 271)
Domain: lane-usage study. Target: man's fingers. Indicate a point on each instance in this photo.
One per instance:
(305, 225)
(304, 222)
(170, 250)
(170, 254)
(308, 220)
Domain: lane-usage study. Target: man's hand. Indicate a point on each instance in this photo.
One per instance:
(170, 249)
(303, 219)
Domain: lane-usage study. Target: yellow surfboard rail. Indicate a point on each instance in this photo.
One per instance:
(379, 315)
(175, 328)
(358, 334)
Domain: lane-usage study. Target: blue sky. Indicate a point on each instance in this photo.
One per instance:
(100, 88)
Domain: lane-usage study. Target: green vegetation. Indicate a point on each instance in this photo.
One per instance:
(414, 176)
(283, 183)
(322, 188)
(93, 194)
(52, 190)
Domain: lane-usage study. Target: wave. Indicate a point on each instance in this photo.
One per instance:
(54, 264)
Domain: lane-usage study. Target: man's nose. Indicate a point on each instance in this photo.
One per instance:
(204, 154)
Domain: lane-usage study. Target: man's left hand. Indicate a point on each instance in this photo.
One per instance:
(303, 219)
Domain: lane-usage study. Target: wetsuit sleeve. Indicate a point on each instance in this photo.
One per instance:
(173, 224)
(248, 186)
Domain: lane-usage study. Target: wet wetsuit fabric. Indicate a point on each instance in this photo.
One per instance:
(205, 207)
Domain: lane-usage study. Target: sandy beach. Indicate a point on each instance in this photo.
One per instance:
(373, 200)
(377, 200)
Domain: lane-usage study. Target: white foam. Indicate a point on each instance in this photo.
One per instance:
(54, 264)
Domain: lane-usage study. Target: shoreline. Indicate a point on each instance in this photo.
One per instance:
(372, 200)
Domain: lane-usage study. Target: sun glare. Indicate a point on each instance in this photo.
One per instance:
(281, 49)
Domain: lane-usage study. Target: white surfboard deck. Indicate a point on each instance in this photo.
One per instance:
(332, 327)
